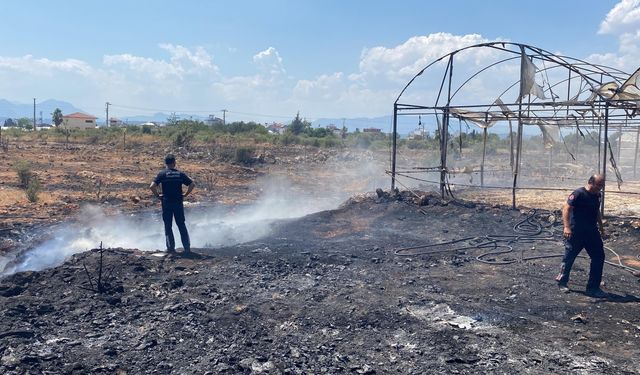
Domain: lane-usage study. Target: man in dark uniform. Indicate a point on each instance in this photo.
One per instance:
(582, 230)
(172, 180)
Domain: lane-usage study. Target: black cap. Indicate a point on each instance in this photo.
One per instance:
(169, 159)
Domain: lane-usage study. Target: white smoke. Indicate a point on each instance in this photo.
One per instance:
(210, 227)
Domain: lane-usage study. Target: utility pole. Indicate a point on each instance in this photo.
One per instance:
(107, 104)
(224, 116)
(34, 114)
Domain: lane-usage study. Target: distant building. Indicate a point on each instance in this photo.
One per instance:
(43, 126)
(276, 128)
(371, 130)
(333, 129)
(417, 134)
(79, 120)
(113, 121)
(213, 120)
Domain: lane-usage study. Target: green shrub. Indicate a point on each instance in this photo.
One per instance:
(415, 144)
(23, 170)
(363, 141)
(330, 142)
(33, 189)
(244, 155)
(182, 138)
(287, 139)
(93, 139)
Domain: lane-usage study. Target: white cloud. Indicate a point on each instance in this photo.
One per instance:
(624, 17)
(622, 21)
(400, 63)
(200, 58)
(325, 87)
(157, 69)
(383, 73)
(269, 61)
(29, 64)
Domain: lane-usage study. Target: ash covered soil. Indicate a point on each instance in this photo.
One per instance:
(327, 293)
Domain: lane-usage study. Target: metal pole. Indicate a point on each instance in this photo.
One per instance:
(34, 114)
(578, 145)
(393, 155)
(635, 155)
(107, 123)
(510, 145)
(443, 150)
(599, 144)
(517, 163)
(460, 130)
(619, 147)
(444, 134)
(484, 151)
(604, 158)
(599, 129)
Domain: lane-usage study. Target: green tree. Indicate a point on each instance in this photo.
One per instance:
(25, 122)
(56, 116)
(298, 125)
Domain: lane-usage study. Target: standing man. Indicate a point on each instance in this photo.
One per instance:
(172, 180)
(582, 230)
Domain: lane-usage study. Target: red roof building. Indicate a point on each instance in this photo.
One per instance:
(78, 120)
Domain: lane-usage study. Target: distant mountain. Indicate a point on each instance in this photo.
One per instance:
(159, 117)
(16, 110)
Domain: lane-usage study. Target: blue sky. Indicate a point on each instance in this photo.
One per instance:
(271, 58)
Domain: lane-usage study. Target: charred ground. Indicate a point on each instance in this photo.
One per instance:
(328, 294)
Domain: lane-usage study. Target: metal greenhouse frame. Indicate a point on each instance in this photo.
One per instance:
(574, 94)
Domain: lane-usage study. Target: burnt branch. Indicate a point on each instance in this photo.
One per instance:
(101, 285)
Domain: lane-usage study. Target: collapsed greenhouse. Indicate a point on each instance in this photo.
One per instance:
(545, 122)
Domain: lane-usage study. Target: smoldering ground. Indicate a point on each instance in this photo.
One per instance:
(330, 296)
(210, 225)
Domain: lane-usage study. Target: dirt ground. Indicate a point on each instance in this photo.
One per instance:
(360, 289)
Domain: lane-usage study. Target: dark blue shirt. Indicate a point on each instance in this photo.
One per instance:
(172, 181)
(584, 215)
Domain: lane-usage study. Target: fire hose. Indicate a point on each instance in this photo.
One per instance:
(533, 228)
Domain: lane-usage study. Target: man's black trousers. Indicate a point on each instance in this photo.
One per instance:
(591, 241)
(171, 210)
